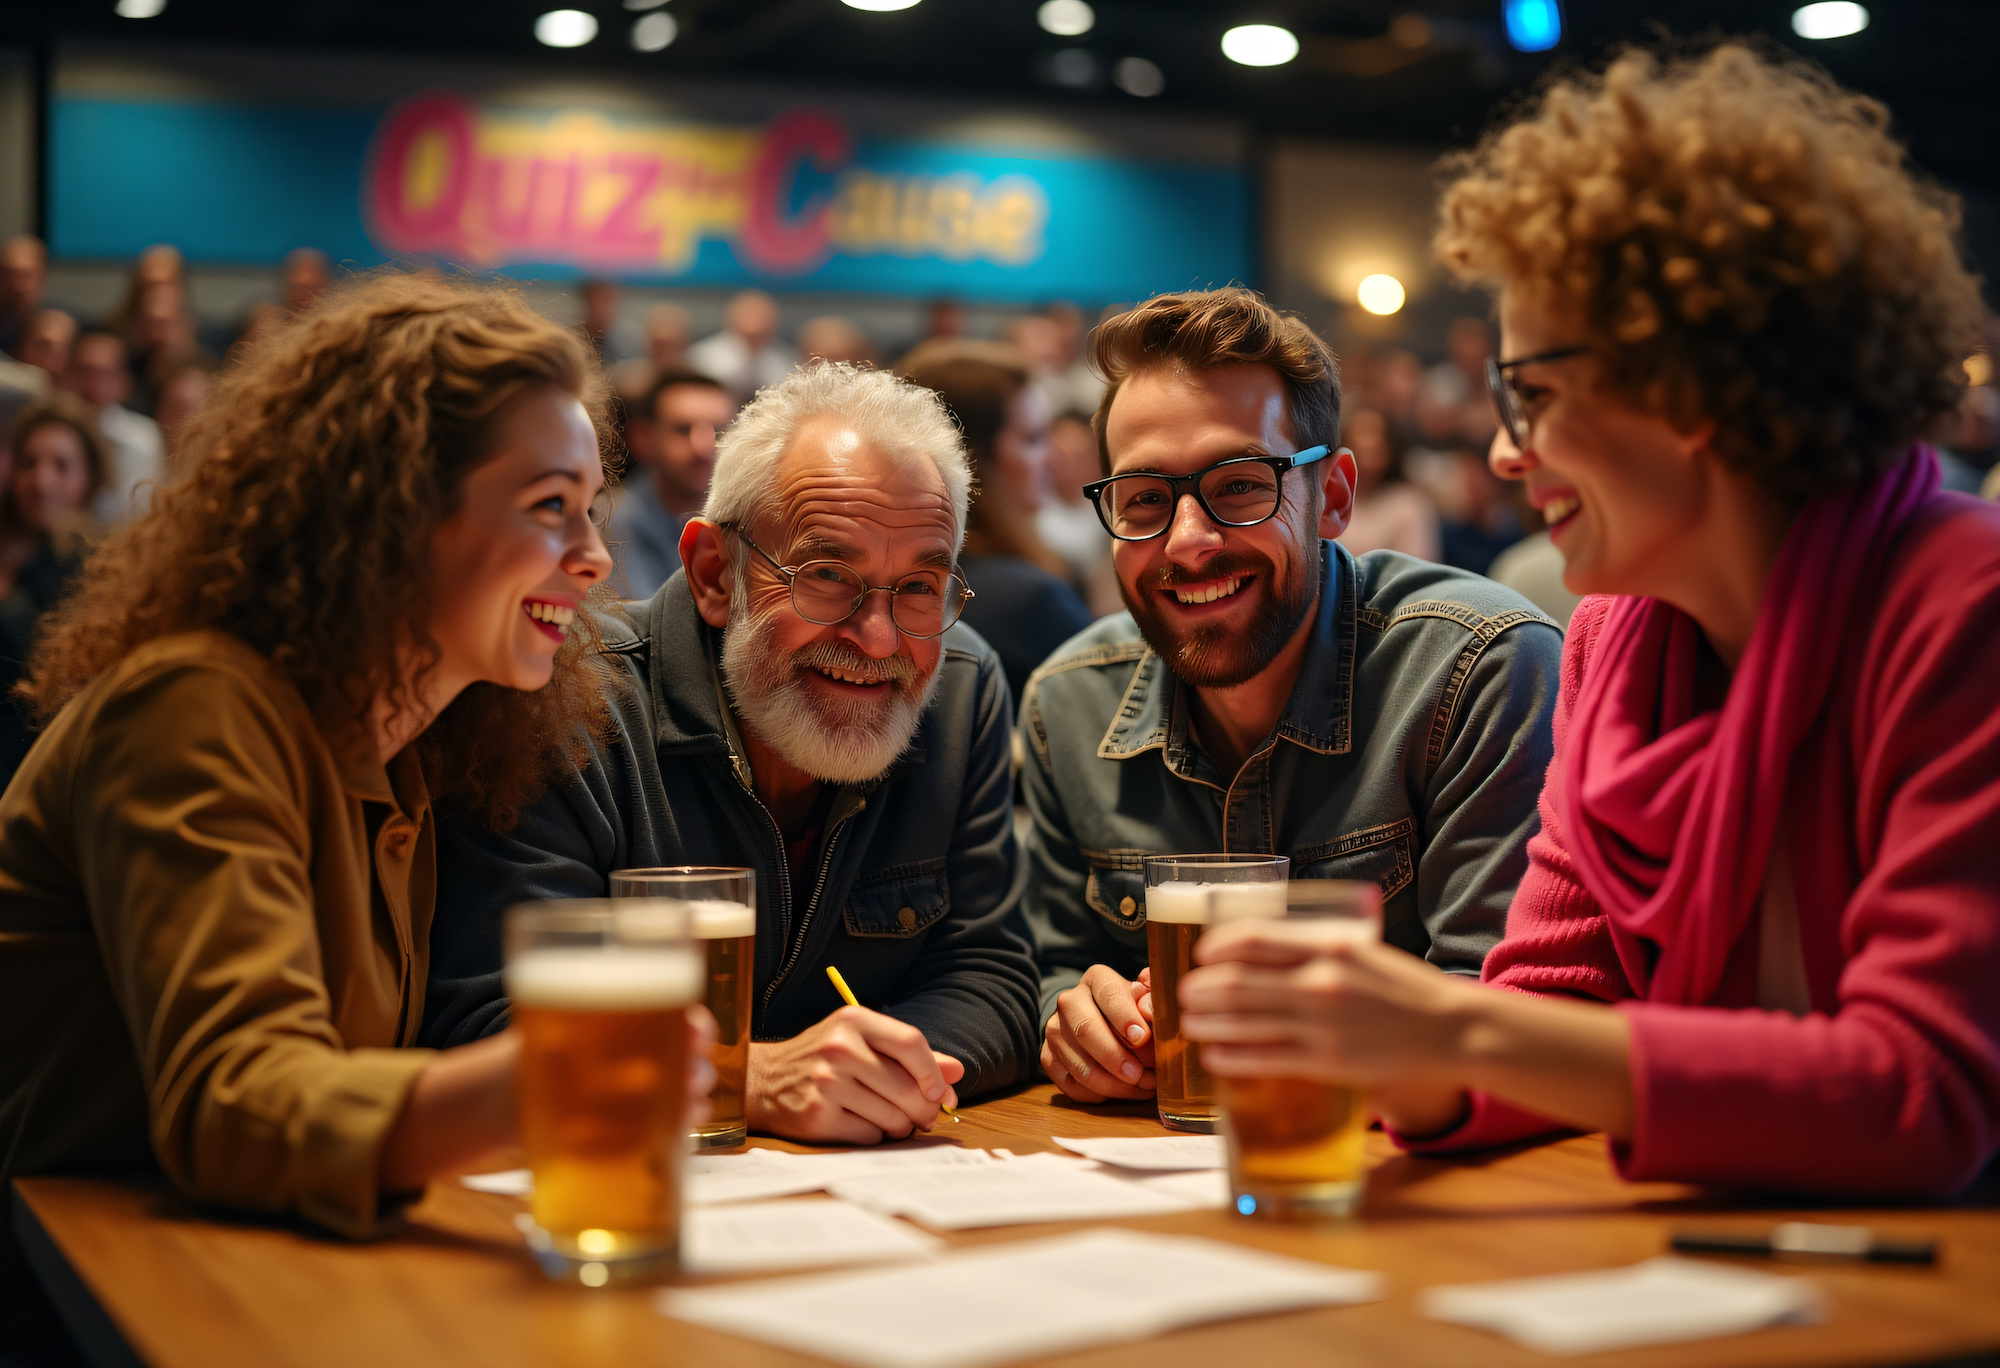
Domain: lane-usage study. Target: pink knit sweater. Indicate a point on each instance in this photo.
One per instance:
(1891, 1084)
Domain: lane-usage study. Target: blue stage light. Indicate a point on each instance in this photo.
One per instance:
(1534, 25)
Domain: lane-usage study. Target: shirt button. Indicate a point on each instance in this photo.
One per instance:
(907, 919)
(1126, 907)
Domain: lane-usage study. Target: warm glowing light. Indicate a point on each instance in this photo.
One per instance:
(1260, 45)
(1137, 76)
(1380, 294)
(1978, 368)
(879, 6)
(140, 9)
(565, 28)
(1829, 19)
(1534, 25)
(1066, 18)
(651, 32)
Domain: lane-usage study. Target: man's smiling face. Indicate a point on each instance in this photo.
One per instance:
(1218, 602)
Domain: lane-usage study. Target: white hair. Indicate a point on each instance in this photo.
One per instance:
(903, 419)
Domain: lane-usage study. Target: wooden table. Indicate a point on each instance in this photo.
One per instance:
(150, 1279)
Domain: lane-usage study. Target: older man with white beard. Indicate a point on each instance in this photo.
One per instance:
(800, 700)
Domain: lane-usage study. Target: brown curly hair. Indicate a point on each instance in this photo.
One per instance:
(1746, 242)
(1204, 329)
(315, 474)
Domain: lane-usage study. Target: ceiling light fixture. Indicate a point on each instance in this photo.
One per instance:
(1260, 45)
(1534, 25)
(879, 6)
(1066, 18)
(1137, 76)
(1829, 19)
(565, 28)
(638, 5)
(140, 9)
(1380, 294)
(652, 32)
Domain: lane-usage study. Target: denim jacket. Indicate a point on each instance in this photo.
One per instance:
(1411, 753)
(914, 893)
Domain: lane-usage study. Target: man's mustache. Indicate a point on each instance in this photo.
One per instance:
(832, 655)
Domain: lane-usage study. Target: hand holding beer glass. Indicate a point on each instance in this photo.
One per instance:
(1184, 894)
(601, 992)
(1296, 1144)
(722, 905)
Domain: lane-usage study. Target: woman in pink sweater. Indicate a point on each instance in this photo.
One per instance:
(1758, 942)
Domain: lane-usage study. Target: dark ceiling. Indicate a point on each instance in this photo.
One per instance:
(1361, 74)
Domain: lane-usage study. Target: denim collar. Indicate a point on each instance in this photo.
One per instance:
(1154, 712)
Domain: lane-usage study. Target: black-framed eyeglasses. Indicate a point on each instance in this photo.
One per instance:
(1507, 401)
(1239, 492)
(923, 604)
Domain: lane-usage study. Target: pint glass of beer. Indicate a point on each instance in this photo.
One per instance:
(1296, 1145)
(600, 992)
(1184, 893)
(722, 904)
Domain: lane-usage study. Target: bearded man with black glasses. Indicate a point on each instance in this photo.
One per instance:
(801, 700)
(1376, 717)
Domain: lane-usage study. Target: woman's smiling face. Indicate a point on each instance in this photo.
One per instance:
(1619, 486)
(512, 561)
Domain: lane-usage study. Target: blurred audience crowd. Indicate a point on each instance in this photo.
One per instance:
(92, 409)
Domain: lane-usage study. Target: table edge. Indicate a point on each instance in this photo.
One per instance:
(83, 1315)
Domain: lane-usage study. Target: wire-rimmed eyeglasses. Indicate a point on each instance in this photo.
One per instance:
(1507, 402)
(923, 604)
(1239, 492)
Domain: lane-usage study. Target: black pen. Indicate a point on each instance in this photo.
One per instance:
(1800, 1239)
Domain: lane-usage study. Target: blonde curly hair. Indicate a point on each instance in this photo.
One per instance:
(1746, 243)
(315, 474)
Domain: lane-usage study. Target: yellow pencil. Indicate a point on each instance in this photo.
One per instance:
(847, 996)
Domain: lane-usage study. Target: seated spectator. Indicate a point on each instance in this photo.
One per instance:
(673, 458)
(797, 701)
(747, 354)
(181, 397)
(1373, 717)
(47, 340)
(666, 350)
(1022, 601)
(162, 340)
(1758, 937)
(97, 373)
(1068, 521)
(24, 274)
(57, 464)
(835, 339)
(216, 866)
(1390, 513)
(303, 277)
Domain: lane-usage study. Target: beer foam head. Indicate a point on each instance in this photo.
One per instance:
(1179, 902)
(593, 979)
(718, 920)
(1247, 901)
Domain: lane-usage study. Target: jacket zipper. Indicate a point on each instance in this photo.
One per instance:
(737, 767)
(805, 919)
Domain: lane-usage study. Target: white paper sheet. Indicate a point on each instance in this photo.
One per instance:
(1661, 1301)
(758, 1174)
(1019, 1300)
(1161, 1153)
(1202, 1188)
(1036, 1187)
(752, 1237)
(507, 1182)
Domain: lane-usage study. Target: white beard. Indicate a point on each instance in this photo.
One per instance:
(841, 741)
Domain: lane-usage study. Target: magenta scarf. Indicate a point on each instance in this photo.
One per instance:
(1670, 813)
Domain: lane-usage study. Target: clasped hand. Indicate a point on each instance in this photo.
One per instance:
(856, 1078)
(1098, 1045)
(1302, 1001)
